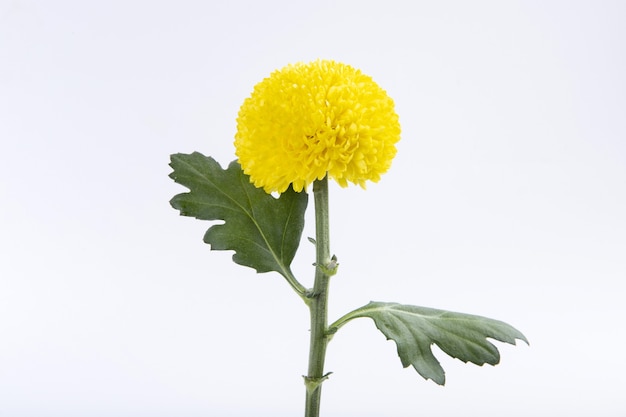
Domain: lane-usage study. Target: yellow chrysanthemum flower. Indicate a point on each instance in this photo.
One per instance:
(307, 121)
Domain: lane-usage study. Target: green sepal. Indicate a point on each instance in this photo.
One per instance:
(414, 329)
(264, 231)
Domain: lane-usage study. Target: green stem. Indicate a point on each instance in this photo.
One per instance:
(319, 302)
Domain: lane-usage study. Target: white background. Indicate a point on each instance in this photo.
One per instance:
(506, 199)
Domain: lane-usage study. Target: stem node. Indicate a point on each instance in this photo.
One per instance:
(313, 383)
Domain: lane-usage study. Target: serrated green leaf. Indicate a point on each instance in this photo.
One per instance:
(264, 231)
(415, 329)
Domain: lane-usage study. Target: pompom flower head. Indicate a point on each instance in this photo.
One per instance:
(307, 121)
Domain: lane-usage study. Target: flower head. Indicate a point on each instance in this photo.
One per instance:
(307, 121)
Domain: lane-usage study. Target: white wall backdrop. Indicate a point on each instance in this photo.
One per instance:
(506, 199)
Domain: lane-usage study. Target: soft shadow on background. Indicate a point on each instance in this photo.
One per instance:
(506, 199)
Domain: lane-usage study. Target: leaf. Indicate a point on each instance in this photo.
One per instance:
(415, 329)
(263, 231)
